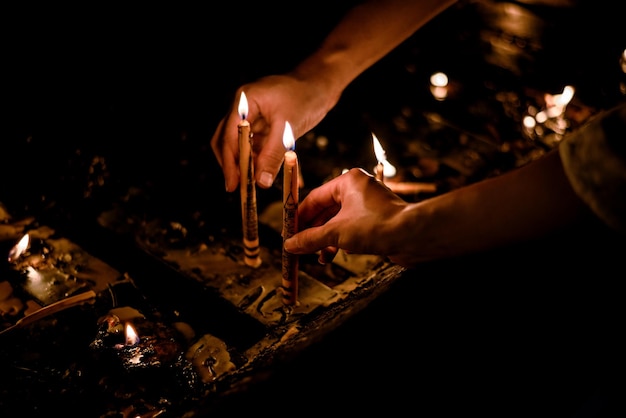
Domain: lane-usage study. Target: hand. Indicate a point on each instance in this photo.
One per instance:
(272, 101)
(354, 212)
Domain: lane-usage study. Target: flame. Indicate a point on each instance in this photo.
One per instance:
(381, 156)
(439, 79)
(243, 106)
(288, 139)
(19, 248)
(439, 85)
(131, 335)
(565, 97)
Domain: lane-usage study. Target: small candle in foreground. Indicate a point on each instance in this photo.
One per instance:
(247, 187)
(290, 217)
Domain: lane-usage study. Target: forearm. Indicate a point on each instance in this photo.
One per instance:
(523, 204)
(366, 34)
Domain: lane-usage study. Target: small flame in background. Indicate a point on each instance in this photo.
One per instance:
(538, 122)
(132, 338)
(439, 85)
(381, 156)
(19, 248)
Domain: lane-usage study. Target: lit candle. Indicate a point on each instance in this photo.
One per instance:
(439, 85)
(247, 186)
(290, 216)
(384, 168)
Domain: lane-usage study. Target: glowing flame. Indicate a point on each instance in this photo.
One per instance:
(381, 156)
(439, 85)
(243, 105)
(556, 103)
(288, 139)
(19, 248)
(439, 79)
(131, 335)
(565, 97)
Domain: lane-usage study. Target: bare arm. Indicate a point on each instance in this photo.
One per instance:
(304, 96)
(358, 214)
(367, 33)
(520, 205)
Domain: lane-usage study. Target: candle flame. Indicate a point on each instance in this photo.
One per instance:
(381, 156)
(439, 85)
(565, 97)
(243, 106)
(439, 79)
(380, 153)
(131, 335)
(288, 139)
(19, 248)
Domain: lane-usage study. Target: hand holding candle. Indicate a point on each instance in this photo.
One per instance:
(247, 186)
(290, 217)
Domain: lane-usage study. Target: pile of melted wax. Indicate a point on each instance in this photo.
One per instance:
(152, 344)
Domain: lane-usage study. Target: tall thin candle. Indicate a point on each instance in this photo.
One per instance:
(290, 217)
(247, 187)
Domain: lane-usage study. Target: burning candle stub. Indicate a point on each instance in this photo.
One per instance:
(247, 186)
(136, 341)
(290, 217)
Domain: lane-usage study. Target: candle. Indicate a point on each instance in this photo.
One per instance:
(290, 216)
(247, 187)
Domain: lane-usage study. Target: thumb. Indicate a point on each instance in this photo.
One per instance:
(270, 159)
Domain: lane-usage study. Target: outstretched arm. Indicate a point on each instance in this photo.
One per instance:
(304, 96)
(360, 215)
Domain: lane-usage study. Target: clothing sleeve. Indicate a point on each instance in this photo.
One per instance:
(594, 160)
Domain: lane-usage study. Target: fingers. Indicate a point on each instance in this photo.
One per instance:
(320, 204)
